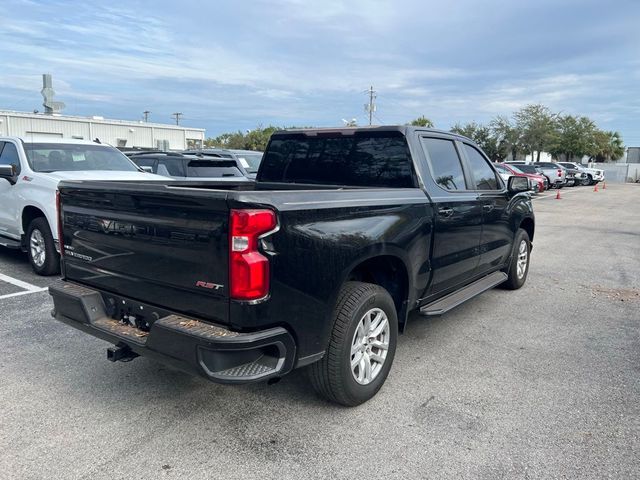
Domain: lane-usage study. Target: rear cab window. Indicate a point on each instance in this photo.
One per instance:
(363, 159)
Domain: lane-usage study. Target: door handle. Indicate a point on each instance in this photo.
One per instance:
(487, 207)
(445, 212)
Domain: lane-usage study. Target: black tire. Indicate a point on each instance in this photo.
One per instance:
(590, 178)
(332, 376)
(586, 181)
(50, 265)
(514, 281)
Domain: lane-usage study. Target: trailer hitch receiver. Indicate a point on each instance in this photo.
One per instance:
(120, 353)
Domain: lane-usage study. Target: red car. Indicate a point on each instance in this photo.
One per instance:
(538, 179)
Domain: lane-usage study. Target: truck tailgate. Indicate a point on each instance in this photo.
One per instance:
(161, 245)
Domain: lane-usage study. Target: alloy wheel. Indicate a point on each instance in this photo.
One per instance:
(369, 346)
(37, 248)
(523, 258)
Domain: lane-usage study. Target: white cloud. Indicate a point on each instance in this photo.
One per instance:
(311, 61)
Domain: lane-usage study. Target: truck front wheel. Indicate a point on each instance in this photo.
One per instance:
(519, 266)
(41, 249)
(361, 347)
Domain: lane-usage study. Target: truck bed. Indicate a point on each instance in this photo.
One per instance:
(168, 244)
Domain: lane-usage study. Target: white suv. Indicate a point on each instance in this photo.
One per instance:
(29, 176)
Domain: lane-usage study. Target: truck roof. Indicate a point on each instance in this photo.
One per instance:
(404, 129)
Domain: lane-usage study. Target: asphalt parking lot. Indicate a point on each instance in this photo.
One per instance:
(543, 382)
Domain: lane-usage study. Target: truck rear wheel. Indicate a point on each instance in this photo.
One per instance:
(361, 347)
(519, 266)
(41, 249)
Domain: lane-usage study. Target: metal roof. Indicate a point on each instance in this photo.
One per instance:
(95, 119)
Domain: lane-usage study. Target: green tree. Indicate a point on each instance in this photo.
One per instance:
(484, 137)
(537, 126)
(255, 139)
(508, 136)
(574, 137)
(226, 140)
(608, 146)
(258, 138)
(421, 121)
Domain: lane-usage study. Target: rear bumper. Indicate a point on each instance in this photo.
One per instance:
(197, 347)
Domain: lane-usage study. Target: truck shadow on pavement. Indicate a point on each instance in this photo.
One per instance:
(142, 380)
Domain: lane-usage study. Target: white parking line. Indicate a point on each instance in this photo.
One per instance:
(28, 287)
(17, 294)
(18, 283)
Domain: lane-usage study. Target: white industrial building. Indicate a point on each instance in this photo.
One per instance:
(119, 133)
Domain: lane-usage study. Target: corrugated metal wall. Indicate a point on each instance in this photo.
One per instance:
(115, 133)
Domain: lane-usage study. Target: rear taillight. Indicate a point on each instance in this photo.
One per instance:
(248, 268)
(59, 215)
(559, 172)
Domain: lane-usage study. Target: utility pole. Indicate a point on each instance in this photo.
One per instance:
(371, 106)
(146, 115)
(177, 115)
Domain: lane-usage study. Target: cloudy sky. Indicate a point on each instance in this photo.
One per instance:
(230, 65)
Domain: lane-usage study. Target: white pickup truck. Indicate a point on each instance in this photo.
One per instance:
(592, 175)
(29, 176)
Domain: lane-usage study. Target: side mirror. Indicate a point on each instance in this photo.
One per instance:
(8, 172)
(147, 169)
(518, 184)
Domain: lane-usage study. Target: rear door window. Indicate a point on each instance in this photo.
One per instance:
(484, 176)
(444, 162)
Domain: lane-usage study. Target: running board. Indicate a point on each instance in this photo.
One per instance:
(443, 305)
(9, 242)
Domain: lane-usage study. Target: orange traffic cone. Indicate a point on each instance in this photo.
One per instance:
(595, 189)
(558, 195)
(604, 185)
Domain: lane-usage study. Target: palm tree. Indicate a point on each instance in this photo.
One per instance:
(421, 121)
(608, 146)
(616, 145)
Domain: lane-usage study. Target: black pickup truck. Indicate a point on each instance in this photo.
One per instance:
(317, 263)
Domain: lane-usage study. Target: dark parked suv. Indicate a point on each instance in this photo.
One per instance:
(190, 167)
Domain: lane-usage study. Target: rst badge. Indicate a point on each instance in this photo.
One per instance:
(209, 285)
